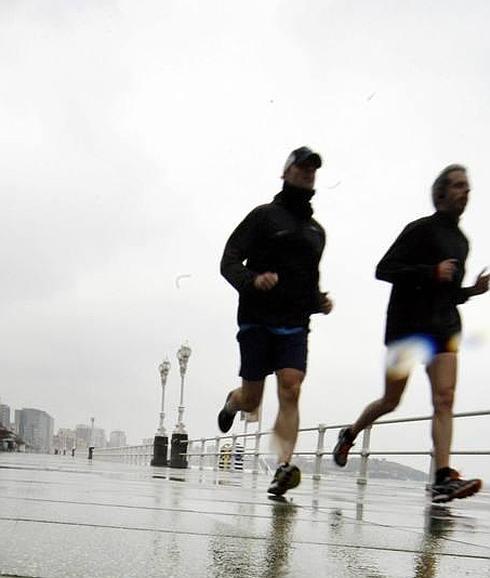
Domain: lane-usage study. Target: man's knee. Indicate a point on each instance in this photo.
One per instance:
(289, 385)
(444, 401)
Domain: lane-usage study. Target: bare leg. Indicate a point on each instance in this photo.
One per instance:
(287, 422)
(442, 374)
(248, 396)
(394, 388)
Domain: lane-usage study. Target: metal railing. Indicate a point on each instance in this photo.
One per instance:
(199, 450)
(136, 454)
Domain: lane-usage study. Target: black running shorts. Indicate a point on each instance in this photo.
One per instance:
(263, 352)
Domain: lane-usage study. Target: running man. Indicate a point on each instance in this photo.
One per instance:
(426, 265)
(281, 246)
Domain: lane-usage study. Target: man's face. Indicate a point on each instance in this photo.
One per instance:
(301, 175)
(457, 193)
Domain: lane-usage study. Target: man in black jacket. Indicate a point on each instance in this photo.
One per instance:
(426, 266)
(281, 246)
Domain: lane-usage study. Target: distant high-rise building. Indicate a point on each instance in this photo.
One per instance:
(88, 436)
(117, 439)
(35, 427)
(99, 439)
(5, 415)
(82, 434)
(65, 439)
(17, 414)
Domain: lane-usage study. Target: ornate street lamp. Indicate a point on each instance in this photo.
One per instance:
(160, 441)
(178, 450)
(183, 356)
(163, 368)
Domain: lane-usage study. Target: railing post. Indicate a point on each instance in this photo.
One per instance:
(233, 450)
(216, 455)
(319, 451)
(201, 457)
(366, 437)
(255, 468)
(432, 471)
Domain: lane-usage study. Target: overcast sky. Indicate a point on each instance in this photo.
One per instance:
(136, 135)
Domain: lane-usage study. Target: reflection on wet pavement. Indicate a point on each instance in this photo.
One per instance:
(64, 517)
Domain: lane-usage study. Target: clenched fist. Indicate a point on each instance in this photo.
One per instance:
(266, 281)
(445, 270)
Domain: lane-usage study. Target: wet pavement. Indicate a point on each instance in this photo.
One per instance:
(65, 517)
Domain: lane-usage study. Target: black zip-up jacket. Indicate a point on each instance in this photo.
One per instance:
(419, 303)
(281, 237)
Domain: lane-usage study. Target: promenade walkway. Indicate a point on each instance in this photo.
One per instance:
(65, 517)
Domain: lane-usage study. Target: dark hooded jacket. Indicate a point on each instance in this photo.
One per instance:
(283, 238)
(419, 302)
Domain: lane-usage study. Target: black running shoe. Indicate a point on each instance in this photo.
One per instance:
(453, 487)
(342, 447)
(286, 478)
(226, 417)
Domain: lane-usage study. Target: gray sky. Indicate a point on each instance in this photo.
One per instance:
(136, 135)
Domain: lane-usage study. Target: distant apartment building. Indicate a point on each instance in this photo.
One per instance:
(5, 415)
(35, 427)
(117, 439)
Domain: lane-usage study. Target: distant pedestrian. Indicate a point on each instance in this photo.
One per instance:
(426, 266)
(272, 259)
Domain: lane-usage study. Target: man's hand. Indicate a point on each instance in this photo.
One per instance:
(326, 305)
(481, 284)
(445, 270)
(266, 281)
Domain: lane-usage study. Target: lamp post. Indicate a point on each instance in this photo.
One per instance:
(163, 368)
(183, 356)
(160, 441)
(178, 458)
(91, 444)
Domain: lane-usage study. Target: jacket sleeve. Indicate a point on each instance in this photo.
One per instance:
(462, 295)
(401, 264)
(237, 250)
(320, 297)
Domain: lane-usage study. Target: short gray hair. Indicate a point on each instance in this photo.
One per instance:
(441, 182)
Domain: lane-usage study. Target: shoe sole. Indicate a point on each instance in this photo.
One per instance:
(465, 492)
(224, 412)
(293, 482)
(339, 458)
(221, 426)
(339, 463)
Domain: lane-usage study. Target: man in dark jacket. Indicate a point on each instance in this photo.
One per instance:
(272, 260)
(426, 266)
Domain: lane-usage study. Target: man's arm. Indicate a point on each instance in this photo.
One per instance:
(478, 288)
(399, 263)
(237, 250)
(325, 304)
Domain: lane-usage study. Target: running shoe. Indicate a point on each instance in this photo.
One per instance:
(454, 487)
(286, 478)
(226, 417)
(342, 447)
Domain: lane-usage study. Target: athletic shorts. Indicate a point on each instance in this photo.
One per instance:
(264, 350)
(429, 344)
